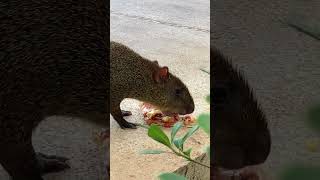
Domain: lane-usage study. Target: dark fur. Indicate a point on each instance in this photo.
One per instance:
(52, 62)
(241, 135)
(132, 76)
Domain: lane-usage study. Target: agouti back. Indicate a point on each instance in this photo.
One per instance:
(52, 62)
(133, 76)
(241, 136)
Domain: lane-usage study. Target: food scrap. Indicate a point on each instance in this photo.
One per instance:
(152, 115)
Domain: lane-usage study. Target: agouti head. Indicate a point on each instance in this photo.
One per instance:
(136, 77)
(170, 93)
(241, 136)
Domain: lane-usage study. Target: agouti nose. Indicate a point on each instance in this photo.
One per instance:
(260, 150)
(190, 109)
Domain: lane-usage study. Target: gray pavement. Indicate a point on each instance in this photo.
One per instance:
(281, 64)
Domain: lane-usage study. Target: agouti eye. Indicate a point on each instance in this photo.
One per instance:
(178, 92)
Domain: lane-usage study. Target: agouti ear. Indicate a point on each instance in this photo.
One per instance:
(164, 73)
(156, 62)
(161, 75)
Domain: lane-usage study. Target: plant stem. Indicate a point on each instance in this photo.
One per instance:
(189, 159)
(178, 153)
(142, 125)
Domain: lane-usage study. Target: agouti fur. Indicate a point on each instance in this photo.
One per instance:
(241, 136)
(53, 61)
(133, 76)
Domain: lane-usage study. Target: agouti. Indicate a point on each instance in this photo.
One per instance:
(241, 136)
(53, 61)
(133, 76)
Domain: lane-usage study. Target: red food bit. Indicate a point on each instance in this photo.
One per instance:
(176, 117)
(167, 125)
(172, 120)
(165, 119)
(187, 120)
(158, 115)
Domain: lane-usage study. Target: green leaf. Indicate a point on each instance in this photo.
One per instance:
(175, 129)
(301, 172)
(208, 99)
(314, 117)
(187, 152)
(178, 143)
(204, 122)
(152, 151)
(188, 134)
(171, 176)
(156, 133)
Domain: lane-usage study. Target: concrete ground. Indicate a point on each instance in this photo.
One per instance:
(176, 33)
(71, 138)
(281, 64)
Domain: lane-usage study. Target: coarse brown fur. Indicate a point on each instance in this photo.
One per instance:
(133, 76)
(52, 62)
(241, 135)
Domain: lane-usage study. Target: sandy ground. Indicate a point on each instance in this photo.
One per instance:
(281, 64)
(176, 34)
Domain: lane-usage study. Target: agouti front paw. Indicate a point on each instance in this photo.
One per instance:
(51, 164)
(126, 113)
(128, 125)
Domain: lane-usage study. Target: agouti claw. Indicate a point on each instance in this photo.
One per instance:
(126, 113)
(49, 163)
(128, 125)
(60, 158)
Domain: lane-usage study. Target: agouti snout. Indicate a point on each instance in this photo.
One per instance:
(178, 99)
(133, 76)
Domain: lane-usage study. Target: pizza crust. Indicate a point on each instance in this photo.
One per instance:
(152, 115)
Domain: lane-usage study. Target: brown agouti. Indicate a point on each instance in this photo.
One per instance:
(53, 61)
(133, 76)
(241, 136)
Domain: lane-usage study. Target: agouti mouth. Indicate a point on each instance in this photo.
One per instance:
(184, 113)
(172, 112)
(169, 113)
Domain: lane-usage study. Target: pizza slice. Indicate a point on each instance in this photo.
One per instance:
(152, 115)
